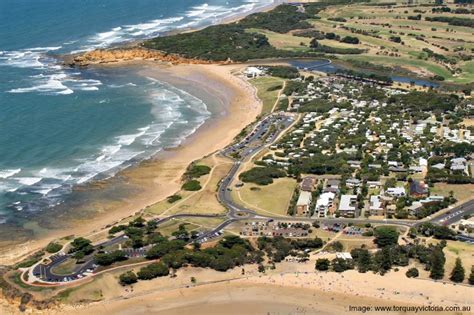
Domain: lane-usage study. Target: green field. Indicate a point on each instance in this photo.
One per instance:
(268, 97)
(273, 198)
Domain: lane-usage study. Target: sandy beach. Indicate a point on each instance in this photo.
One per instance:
(304, 290)
(234, 106)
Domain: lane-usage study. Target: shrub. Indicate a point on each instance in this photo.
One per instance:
(386, 236)
(196, 171)
(192, 185)
(412, 273)
(153, 271)
(261, 175)
(127, 278)
(53, 247)
(322, 264)
(173, 198)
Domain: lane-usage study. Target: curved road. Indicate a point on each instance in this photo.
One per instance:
(261, 136)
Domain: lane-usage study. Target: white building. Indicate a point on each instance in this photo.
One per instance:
(396, 191)
(348, 206)
(324, 202)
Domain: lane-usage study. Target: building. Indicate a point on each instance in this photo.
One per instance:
(253, 72)
(324, 202)
(395, 192)
(332, 185)
(307, 184)
(303, 203)
(353, 182)
(418, 189)
(348, 206)
(376, 206)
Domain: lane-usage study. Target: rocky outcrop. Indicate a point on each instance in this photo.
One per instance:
(107, 56)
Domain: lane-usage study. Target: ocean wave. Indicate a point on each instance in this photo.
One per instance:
(28, 181)
(9, 173)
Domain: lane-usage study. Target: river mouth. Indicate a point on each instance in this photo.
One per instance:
(331, 67)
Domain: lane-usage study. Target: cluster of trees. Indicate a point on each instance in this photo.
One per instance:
(440, 232)
(197, 170)
(285, 72)
(317, 47)
(365, 76)
(429, 101)
(191, 185)
(107, 259)
(81, 247)
(395, 255)
(217, 43)
(452, 20)
(53, 247)
(278, 248)
(139, 232)
(152, 271)
(282, 19)
(320, 164)
(261, 175)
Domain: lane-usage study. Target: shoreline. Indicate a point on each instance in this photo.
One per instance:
(307, 292)
(33, 236)
(235, 106)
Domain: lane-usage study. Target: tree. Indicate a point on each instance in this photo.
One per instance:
(261, 268)
(471, 276)
(341, 265)
(152, 271)
(437, 261)
(106, 259)
(412, 273)
(457, 275)
(127, 278)
(314, 43)
(386, 236)
(363, 260)
(53, 247)
(322, 264)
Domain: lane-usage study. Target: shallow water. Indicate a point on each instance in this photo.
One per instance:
(63, 127)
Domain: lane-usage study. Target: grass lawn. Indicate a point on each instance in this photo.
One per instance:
(66, 267)
(273, 198)
(284, 41)
(268, 97)
(461, 192)
(453, 250)
(203, 201)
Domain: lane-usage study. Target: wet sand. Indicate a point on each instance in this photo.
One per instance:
(233, 104)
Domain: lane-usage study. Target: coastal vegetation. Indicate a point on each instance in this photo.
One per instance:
(192, 185)
(261, 175)
(53, 247)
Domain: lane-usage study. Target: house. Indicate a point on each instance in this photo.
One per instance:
(418, 189)
(332, 185)
(395, 192)
(344, 255)
(324, 202)
(253, 72)
(303, 203)
(348, 206)
(376, 206)
(307, 184)
(458, 164)
(415, 207)
(353, 182)
(374, 184)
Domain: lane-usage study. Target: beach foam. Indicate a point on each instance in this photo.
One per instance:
(9, 173)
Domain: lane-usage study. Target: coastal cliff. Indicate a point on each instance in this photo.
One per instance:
(108, 56)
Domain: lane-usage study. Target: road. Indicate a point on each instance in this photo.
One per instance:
(261, 136)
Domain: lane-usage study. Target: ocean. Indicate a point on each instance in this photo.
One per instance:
(63, 127)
